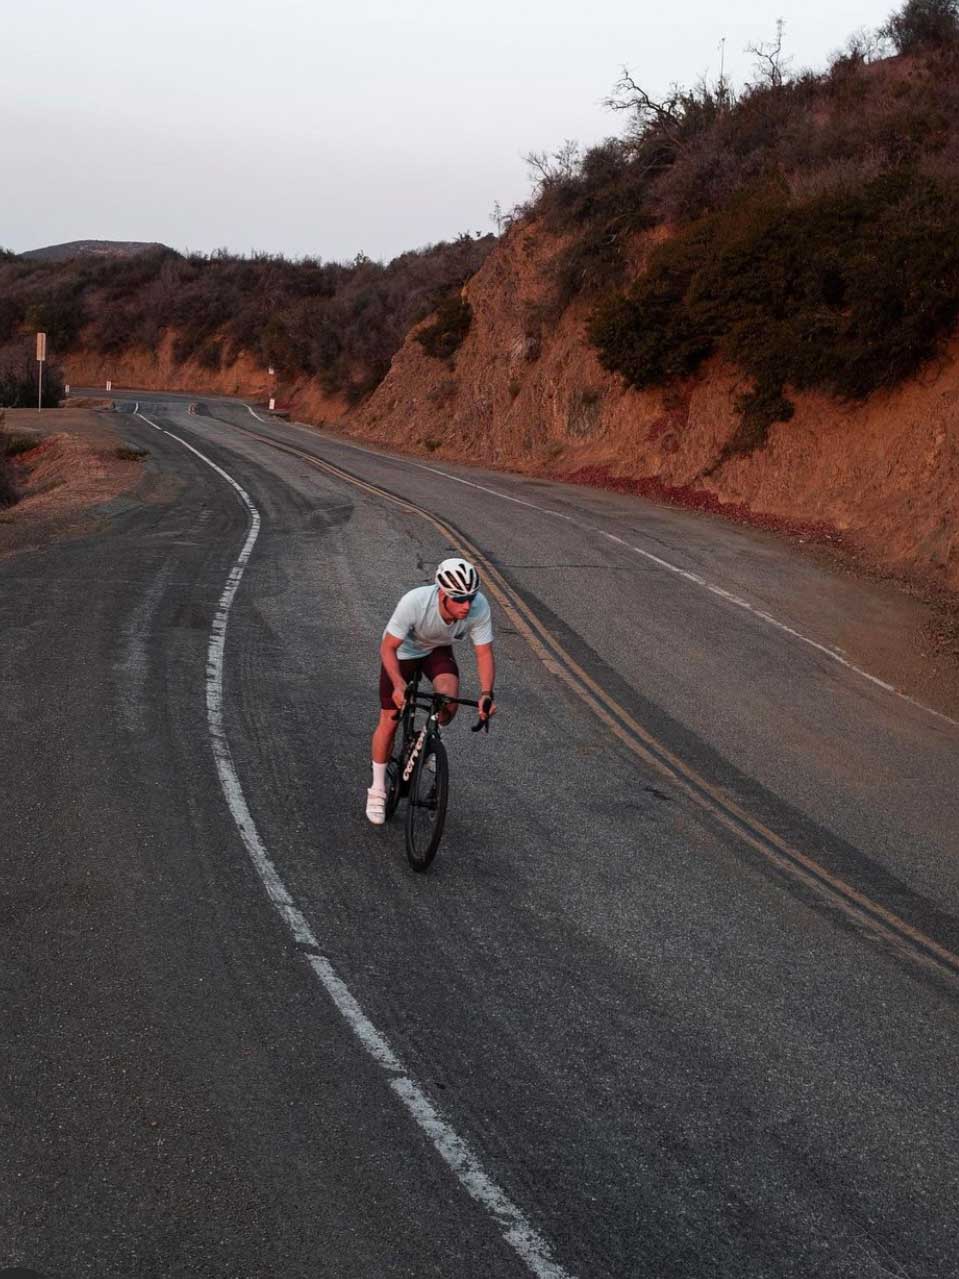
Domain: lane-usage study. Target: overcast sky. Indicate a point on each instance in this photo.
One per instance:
(305, 127)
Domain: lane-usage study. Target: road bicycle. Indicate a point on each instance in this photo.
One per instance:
(419, 771)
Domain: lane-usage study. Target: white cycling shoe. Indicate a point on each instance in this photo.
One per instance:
(376, 806)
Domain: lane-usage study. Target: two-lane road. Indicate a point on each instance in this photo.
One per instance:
(675, 999)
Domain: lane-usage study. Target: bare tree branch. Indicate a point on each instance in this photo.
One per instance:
(548, 170)
(770, 65)
(666, 115)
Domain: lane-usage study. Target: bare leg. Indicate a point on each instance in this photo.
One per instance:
(449, 686)
(385, 731)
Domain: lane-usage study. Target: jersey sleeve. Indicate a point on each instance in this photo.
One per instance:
(401, 623)
(481, 621)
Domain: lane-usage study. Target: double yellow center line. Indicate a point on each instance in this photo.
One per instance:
(862, 910)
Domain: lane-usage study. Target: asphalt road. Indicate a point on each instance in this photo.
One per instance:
(677, 997)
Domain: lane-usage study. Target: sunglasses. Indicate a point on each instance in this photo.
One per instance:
(460, 599)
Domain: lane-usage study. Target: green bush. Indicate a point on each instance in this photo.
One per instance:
(361, 387)
(923, 24)
(113, 328)
(845, 293)
(13, 443)
(184, 347)
(11, 317)
(648, 335)
(18, 378)
(210, 356)
(8, 487)
(592, 262)
(443, 338)
(339, 322)
(688, 156)
(602, 199)
(60, 313)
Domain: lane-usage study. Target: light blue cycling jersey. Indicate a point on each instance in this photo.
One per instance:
(417, 622)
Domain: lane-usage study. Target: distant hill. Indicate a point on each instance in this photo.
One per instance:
(93, 249)
(339, 323)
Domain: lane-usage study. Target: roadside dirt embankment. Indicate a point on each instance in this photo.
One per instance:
(76, 466)
(880, 477)
(157, 370)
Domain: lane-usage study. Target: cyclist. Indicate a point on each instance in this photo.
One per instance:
(419, 635)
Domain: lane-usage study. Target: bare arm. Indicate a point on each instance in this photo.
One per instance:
(391, 664)
(486, 670)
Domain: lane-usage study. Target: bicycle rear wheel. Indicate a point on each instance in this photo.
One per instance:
(426, 804)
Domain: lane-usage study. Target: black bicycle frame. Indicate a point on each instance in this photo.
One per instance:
(432, 701)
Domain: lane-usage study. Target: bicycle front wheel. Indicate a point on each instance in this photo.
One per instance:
(426, 804)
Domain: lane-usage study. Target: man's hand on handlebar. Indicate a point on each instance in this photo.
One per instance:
(486, 709)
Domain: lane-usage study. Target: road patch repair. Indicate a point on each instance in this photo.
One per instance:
(77, 464)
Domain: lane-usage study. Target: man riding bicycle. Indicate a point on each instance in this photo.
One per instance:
(419, 635)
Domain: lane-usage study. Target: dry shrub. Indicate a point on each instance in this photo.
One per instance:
(846, 293)
(18, 377)
(445, 335)
(923, 24)
(339, 322)
(583, 412)
(210, 356)
(8, 488)
(442, 392)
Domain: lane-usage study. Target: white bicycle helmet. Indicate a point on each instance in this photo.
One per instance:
(457, 577)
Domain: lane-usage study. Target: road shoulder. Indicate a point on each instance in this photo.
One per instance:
(80, 470)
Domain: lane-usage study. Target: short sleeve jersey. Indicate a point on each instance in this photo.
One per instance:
(417, 622)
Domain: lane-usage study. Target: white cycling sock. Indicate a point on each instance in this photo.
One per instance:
(379, 777)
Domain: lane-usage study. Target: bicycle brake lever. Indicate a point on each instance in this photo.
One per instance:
(481, 724)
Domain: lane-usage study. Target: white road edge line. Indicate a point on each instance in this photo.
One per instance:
(693, 578)
(530, 1246)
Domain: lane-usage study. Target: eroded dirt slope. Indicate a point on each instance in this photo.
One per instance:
(883, 476)
(78, 465)
(526, 391)
(159, 371)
